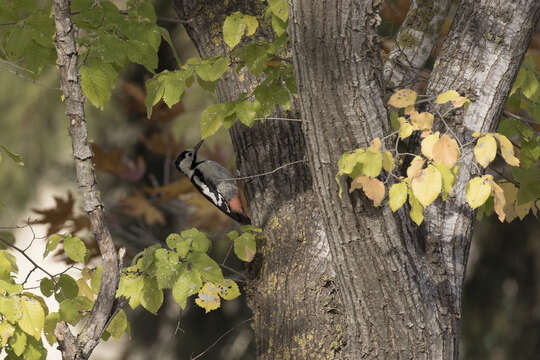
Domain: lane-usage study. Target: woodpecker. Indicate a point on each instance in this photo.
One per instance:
(209, 178)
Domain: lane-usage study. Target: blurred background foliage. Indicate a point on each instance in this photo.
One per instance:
(146, 199)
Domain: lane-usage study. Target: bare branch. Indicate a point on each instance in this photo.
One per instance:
(414, 41)
(66, 48)
(7, 243)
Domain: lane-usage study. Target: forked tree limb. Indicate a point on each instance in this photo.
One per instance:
(81, 347)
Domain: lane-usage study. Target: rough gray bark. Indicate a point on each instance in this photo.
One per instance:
(416, 38)
(401, 287)
(296, 308)
(81, 347)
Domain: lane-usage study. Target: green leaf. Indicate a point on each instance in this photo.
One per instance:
(397, 196)
(168, 268)
(228, 289)
(530, 86)
(67, 288)
(279, 26)
(273, 94)
(279, 8)
(254, 56)
(154, 93)
(188, 283)
(46, 286)
(530, 152)
(75, 249)
(142, 53)
(18, 342)
(212, 119)
(97, 82)
(208, 268)
(131, 287)
(52, 243)
(9, 308)
(13, 156)
(152, 297)
(33, 316)
(35, 350)
(118, 325)
(212, 69)
(167, 37)
(69, 311)
(182, 246)
(529, 184)
(236, 25)
(8, 263)
(95, 281)
(245, 247)
(199, 240)
(9, 286)
(6, 331)
(247, 111)
(50, 325)
(174, 85)
(448, 179)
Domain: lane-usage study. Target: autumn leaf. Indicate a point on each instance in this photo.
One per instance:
(397, 195)
(402, 98)
(446, 151)
(478, 191)
(388, 161)
(485, 150)
(373, 188)
(137, 205)
(375, 145)
(208, 297)
(427, 185)
(428, 143)
(172, 190)
(422, 121)
(416, 166)
(507, 150)
(447, 96)
(114, 162)
(405, 128)
(498, 197)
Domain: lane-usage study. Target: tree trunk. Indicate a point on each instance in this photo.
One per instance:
(400, 285)
(293, 296)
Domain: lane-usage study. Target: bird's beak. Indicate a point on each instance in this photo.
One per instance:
(196, 148)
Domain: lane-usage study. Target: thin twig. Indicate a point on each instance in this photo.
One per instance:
(28, 276)
(221, 337)
(236, 272)
(266, 173)
(7, 243)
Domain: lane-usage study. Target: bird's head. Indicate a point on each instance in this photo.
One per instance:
(187, 160)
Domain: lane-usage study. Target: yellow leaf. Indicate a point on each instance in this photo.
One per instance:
(33, 317)
(446, 151)
(422, 121)
(375, 145)
(416, 166)
(6, 331)
(405, 128)
(208, 297)
(507, 150)
(485, 150)
(417, 210)
(427, 145)
(448, 179)
(478, 191)
(397, 195)
(427, 185)
(476, 134)
(388, 161)
(373, 188)
(447, 96)
(402, 98)
(459, 102)
(498, 197)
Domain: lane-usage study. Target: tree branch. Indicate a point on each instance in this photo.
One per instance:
(414, 41)
(66, 48)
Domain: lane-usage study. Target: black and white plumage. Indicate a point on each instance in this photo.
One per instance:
(209, 178)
